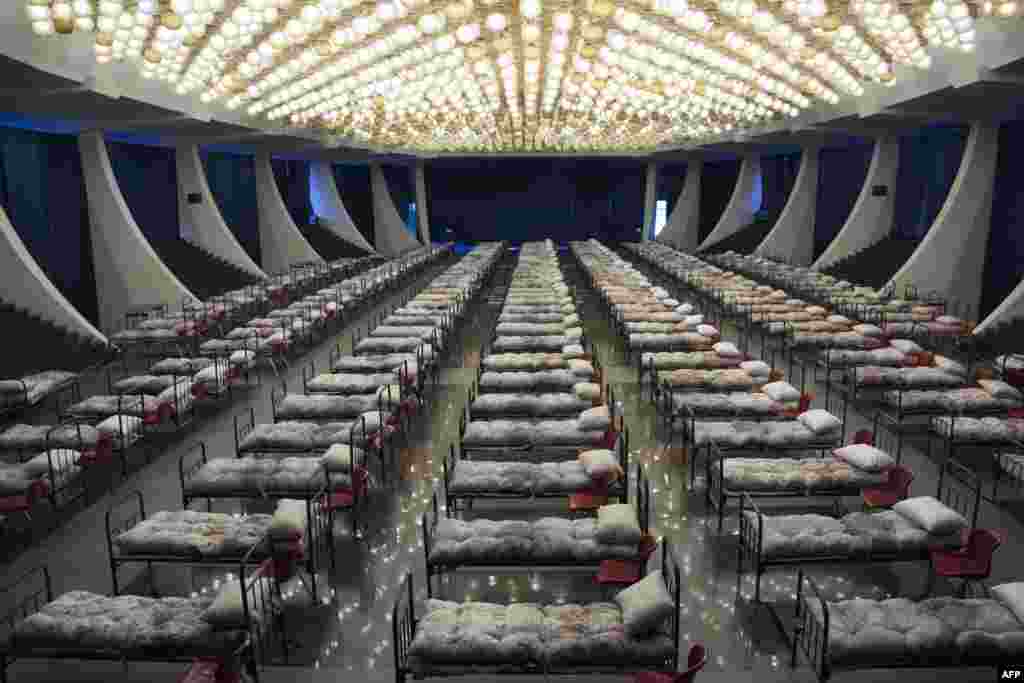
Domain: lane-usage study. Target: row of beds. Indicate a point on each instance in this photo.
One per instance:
(538, 378)
(837, 635)
(46, 461)
(273, 552)
(967, 406)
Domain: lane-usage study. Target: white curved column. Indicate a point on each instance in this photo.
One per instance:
(129, 273)
(951, 258)
(25, 286)
(650, 197)
(281, 243)
(327, 204)
(871, 217)
(740, 210)
(792, 236)
(1011, 308)
(202, 224)
(422, 218)
(388, 228)
(684, 221)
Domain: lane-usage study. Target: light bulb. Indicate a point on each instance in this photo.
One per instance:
(496, 22)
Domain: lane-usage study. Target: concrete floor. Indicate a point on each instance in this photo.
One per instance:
(350, 639)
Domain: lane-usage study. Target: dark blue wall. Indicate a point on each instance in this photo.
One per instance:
(356, 191)
(292, 176)
(778, 175)
(928, 161)
(232, 181)
(148, 180)
(671, 178)
(841, 175)
(717, 182)
(1005, 263)
(43, 192)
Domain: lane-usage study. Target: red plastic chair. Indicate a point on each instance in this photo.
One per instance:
(627, 572)
(895, 488)
(695, 661)
(972, 562)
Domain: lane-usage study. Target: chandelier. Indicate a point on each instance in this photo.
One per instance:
(519, 75)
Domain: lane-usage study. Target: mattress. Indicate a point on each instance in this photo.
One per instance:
(530, 309)
(468, 634)
(371, 363)
(531, 317)
(932, 631)
(800, 475)
(295, 436)
(953, 401)
(85, 622)
(533, 405)
(553, 433)
(919, 378)
(547, 540)
(254, 476)
(855, 535)
(840, 340)
(17, 478)
(688, 360)
(738, 434)
(655, 342)
(696, 404)
(382, 345)
(521, 478)
(180, 366)
(511, 362)
(104, 406)
(524, 382)
(191, 534)
(885, 357)
(990, 429)
(348, 383)
(27, 437)
(524, 329)
(726, 379)
(150, 385)
(420, 319)
(550, 343)
(325, 406)
(122, 429)
(421, 331)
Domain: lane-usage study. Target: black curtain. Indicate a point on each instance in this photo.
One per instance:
(232, 181)
(42, 189)
(533, 199)
(292, 176)
(929, 159)
(400, 186)
(717, 182)
(671, 177)
(1004, 265)
(148, 180)
(778, 175)
(356, 191)
(841, 175)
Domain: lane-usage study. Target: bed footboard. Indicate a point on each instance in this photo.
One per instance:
(26, 596)
(403, 625)
(750, 545)
(189, 464)
(809, 633)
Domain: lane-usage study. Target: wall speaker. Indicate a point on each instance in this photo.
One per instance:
(195, 198)
(879, 190)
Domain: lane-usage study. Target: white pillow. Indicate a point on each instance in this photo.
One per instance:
(819, 421)
(868, 330)
(226, 609)
(599, 462)
(949, 365)
(660, 293)
(571, 320)
(594, 419)
(781, 392)
(645, 605)
(816, 310)
(39, 466)
(1000, 389)
(289, 520)
(707, 330)
(574, 333)
(617, 525)
(373, 421)
(242, 357)
(931, 515)
(948, 320)
(684, 309)
(672, 303)
(757, 368)
(906, 345)
(587, 391)
(864, 457)
(339, 456)
(568, 309)
(696, 319)
(1011, 595)
(838, 319)
(726, 349)
(581, 368)
(570, 351)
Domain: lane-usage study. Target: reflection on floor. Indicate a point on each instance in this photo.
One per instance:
(350, 639)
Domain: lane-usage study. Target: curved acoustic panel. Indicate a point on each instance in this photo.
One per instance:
(24, 285)
(327, 204)
(422, 217)
(792, 238)
(389, 230)
(650, 200)
(951, 258)
(201, 222)
(129, 274)
(281, 243)
(684, 222)
(740, 210)
(1011, 308)
(871, 217)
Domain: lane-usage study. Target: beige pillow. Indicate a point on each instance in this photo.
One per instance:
(581, 368)
(595, 419)
(587, 391)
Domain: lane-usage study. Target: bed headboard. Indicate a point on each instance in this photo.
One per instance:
(244, 427)
(190, 463)
(643, 499)
(276, 396)
(673, 583)
(960, 488)
(22, 598)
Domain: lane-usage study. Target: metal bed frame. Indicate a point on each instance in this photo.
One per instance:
(404, 622)
(15, 406)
